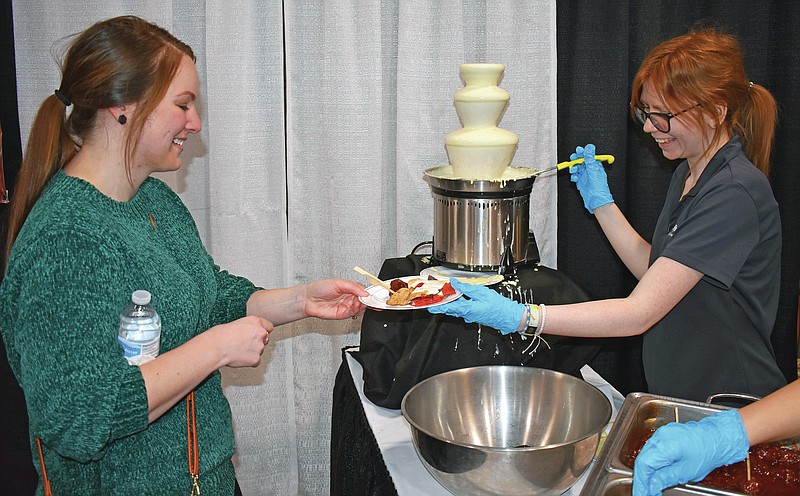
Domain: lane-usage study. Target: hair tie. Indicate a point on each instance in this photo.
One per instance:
(63, 98)
(749, 86)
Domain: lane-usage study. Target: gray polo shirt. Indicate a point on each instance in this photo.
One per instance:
(717, 339)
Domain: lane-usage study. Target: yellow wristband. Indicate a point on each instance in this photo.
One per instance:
(533, 315)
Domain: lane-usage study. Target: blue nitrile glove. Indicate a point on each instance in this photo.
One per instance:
(679, 453)
(484, 306)
(591, 179)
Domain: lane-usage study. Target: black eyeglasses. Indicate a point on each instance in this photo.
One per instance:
(660, 120)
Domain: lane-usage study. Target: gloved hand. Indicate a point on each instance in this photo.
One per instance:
(484, 306)
(591, 179)
(679, 453)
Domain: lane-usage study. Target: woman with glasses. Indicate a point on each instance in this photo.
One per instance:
(708, 285)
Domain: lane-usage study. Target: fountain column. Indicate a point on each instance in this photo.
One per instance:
(480, 149)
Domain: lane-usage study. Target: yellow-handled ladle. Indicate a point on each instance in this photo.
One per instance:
(564, 165)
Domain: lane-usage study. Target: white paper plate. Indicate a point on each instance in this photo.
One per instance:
(378, 295)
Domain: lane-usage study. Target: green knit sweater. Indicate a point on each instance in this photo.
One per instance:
(73, 268)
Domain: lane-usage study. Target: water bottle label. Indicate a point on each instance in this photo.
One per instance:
(137, 353)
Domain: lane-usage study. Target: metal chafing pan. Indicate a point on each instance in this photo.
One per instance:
(641, 412)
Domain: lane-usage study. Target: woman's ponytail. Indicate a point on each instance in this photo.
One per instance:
(755, 123)
(49, 147)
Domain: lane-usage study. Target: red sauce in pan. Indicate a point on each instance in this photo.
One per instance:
(774, 470)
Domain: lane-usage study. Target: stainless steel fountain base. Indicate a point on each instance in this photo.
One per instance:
(475, 221)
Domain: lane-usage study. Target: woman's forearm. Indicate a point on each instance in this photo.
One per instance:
(662, 287)
(775, 417)
(172, 375)
(279, 306)
(627, 243)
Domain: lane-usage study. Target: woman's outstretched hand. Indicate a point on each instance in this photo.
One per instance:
(334, 299)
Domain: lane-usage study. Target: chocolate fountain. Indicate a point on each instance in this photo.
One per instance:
(481, 204)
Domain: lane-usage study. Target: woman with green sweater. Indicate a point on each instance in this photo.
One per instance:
(89, 226)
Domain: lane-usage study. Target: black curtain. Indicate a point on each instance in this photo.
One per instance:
(17, 475)
(600, 47)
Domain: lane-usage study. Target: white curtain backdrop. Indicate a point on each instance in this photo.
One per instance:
(319, 120)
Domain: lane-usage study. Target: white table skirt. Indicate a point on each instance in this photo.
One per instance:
(393, 435)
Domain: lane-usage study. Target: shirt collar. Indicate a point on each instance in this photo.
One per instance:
(724, 155)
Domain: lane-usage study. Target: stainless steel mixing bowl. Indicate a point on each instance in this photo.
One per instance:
(505, 430)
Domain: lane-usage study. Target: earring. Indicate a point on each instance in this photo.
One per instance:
(122, 119)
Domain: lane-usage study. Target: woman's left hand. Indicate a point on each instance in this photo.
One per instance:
(334, 299)
(590, 178)
(484, 306)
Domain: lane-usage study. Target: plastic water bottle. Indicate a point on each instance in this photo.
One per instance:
(139, 329)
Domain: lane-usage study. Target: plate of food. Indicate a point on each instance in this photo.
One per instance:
(482, 278)
(410, 293)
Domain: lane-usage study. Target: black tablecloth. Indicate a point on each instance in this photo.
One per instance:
(357, 466)
(401, 348)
